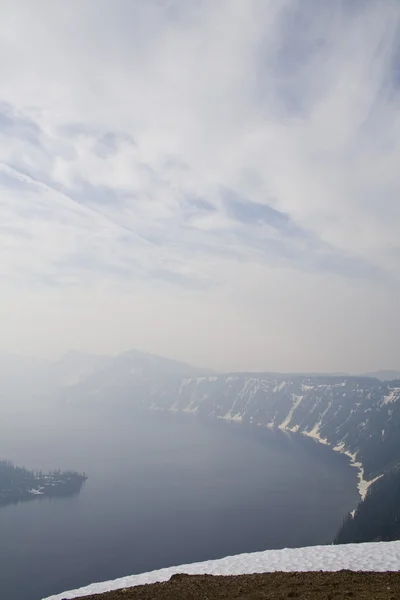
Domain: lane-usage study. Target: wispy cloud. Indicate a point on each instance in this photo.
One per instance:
(200, 156)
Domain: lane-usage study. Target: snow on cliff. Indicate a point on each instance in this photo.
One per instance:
(377, 556)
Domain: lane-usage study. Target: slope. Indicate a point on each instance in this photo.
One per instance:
(376, 557)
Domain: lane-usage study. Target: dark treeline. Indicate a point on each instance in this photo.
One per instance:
(377, 518)
(18, 484)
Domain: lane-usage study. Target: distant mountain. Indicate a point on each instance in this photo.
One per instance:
(129, 377)
(75, 366)
(154, 364)
(26, 381)
(83, 376)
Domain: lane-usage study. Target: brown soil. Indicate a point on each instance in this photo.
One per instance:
(341, 585)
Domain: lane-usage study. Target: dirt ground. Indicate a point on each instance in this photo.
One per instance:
(268, 586)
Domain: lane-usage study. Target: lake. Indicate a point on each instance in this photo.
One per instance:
(163, 489)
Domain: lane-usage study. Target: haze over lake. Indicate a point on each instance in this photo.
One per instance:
(163, 489)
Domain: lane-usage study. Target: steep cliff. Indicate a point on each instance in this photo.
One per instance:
(357, 416)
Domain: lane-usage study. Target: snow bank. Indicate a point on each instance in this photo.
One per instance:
(377, 556)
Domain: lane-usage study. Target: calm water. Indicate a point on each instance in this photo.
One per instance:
(162, 490)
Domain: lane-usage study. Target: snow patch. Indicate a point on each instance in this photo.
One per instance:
(375, 556)
(306, 388)
(393, 396)
(296, 401)
(230, 417)
(314, 434)
(363, 484)
(293, 429)
(279, 387)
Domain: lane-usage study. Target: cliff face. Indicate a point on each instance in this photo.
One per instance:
(360, 416)
(378, 517)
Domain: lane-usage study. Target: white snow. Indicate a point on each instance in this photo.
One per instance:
(293, 429)
(363, 484)
(393, 396)
(296, 401)
(306, 388)
(313, 433)
(230, 417)
(279, 387)
(377, 556)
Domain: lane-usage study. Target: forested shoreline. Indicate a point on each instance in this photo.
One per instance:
(18, 484)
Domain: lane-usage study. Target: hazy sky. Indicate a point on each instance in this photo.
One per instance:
(213, 180)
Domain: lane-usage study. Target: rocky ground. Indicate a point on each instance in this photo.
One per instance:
(341, 585)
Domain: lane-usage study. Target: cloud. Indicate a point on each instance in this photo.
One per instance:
(249, 212)
(211, 162)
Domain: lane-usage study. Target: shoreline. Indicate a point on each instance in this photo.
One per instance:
(18, 484)
(362, 485)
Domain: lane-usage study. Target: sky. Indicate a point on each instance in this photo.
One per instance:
(216, 181)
